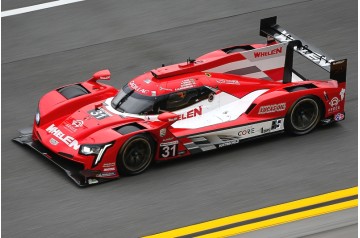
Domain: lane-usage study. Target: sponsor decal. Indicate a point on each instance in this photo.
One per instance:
(175, 142)
(99, 113)
(325, 121)
(267, 53)
(169, 149)
(72, 124)
(187, 83)
(107, 165)
(342, 94)
(137, 88)
(265, 130)
(226, 81)
(68, 140)
(53, 141)
(92, 181)
(334, 109)
(339, 62)
(107, 174)
(109, 169)
(305, 51)
(192, 113)
(162, 132)
(274, 126)
(77, 123)
(316, 57)
(272, 108)
(168, 139)
(334, 103)
(246, 131)
(165, 89)
(104, 77)
(231, 136)
(233, 142)
(173, 119)
(339, 117)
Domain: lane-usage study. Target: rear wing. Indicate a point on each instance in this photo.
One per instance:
(275, 33)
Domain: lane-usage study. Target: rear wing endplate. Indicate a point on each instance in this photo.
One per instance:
(275, 33)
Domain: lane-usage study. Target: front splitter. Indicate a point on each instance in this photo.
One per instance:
(73, 169)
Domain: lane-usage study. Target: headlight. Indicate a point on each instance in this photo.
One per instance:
(37, 117)
(97, 150)
(90, 149)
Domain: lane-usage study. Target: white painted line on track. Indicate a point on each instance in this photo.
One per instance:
(37, 7)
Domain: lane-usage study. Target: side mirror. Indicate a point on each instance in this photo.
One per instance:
(168, 117)
(101, 75)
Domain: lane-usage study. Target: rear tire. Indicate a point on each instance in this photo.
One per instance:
(136, 155)
(303, 116)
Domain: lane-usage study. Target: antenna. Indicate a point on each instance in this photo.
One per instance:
(190, 61)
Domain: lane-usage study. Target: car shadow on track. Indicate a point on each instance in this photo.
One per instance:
(157, 167)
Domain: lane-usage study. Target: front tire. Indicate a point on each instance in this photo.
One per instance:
(136, 155)
(303, 116)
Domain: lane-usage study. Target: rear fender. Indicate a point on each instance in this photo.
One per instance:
(276, 104)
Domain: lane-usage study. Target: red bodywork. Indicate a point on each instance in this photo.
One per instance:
(66, 124)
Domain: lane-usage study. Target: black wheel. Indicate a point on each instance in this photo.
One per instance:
(136, 155)
(72, 91)
(303, 116)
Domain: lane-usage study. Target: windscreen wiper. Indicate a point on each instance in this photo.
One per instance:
(123, 100)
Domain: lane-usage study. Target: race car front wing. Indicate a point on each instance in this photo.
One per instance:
(73, 169)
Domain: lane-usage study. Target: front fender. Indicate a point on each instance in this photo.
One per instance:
(53, 105)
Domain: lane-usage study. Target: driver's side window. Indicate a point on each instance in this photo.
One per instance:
(182, 99)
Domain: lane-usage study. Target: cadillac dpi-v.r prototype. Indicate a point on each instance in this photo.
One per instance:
(96, 132)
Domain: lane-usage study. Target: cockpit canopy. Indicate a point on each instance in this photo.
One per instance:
(129, 101)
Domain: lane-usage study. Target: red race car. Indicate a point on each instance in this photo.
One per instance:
(96, 132)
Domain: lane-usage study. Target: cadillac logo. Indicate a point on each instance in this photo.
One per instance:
(53, 141)
(162, 132)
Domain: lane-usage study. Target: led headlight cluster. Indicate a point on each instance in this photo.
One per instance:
(37, 116)
(97, 150)
(90, 149)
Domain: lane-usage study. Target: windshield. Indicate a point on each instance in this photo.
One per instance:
(127, 100)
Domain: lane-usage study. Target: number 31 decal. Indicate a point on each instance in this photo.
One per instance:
(168, 149)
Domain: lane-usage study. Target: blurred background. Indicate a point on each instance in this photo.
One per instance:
(45, 49)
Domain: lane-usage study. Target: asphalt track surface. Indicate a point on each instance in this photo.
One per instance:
(333, 225)
(49, 48)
